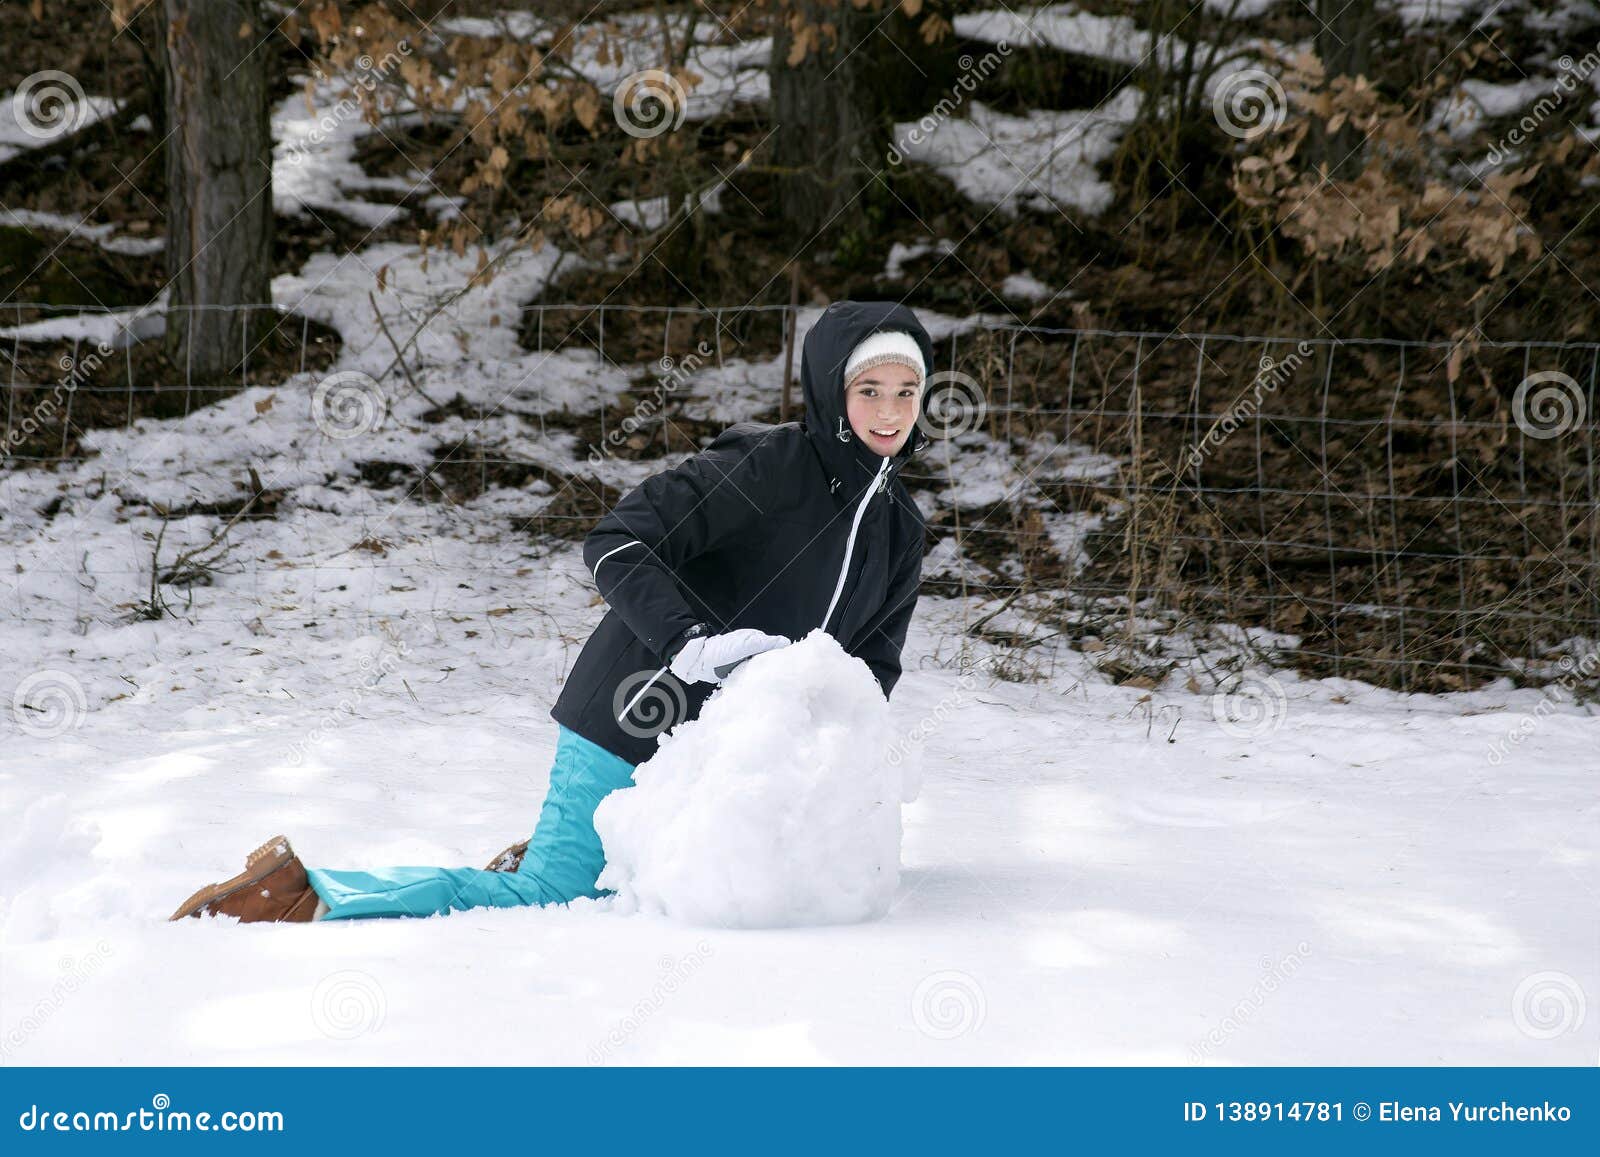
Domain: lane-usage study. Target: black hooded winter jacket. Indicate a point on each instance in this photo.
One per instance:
(768, 527)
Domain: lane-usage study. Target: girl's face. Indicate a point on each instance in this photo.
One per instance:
(882, 406)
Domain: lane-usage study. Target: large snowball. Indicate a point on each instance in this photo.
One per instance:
(779, 805)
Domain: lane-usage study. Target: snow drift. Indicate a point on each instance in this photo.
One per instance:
(779, 805)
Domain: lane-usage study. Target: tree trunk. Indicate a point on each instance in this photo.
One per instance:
(219, 181)
(1344, 37)
(825, 130)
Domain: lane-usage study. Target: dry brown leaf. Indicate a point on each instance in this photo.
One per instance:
(326, 21)
(586, 107)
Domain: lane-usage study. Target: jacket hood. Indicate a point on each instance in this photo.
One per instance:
(850, 463)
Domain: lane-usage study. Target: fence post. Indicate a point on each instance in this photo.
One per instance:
(1327, 514)
(789, 327)
(1394, 526)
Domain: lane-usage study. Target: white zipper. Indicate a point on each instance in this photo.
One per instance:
(850, 543)
(838, 587)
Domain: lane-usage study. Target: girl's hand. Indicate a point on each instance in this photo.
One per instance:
(698, 659)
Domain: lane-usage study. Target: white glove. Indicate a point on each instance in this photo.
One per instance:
(698, 659)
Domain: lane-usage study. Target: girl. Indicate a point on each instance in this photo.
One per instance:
(767, 533)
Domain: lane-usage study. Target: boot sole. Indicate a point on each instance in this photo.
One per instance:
(258, 865)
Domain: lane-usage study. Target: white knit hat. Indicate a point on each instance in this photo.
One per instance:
(890, 346)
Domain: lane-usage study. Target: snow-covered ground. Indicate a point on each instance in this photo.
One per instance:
(1294, 872)
(1362, 883)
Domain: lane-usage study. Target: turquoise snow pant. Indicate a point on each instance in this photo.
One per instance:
(563, 861)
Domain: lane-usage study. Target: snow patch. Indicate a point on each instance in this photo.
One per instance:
(104, 236)
(1474, 101)
(1062, 27)
(28, 116)
(899, 253)
(1044, 159)
(1025, 286)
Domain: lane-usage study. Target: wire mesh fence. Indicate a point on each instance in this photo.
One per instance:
(1423, 515)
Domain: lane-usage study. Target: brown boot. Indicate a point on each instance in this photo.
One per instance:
(273, 886)
(510, 859)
